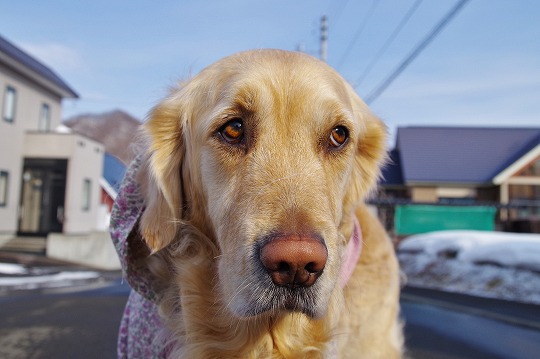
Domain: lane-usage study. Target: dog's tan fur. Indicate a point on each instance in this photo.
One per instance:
(209, 202)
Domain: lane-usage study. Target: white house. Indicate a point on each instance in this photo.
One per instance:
(49, 180)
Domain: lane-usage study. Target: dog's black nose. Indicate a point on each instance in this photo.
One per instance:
(294, 260)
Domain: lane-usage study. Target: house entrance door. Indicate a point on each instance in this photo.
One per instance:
(42, 196)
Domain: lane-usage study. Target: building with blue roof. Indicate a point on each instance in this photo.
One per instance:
(466, 165)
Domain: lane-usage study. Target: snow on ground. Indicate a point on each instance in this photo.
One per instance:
(490, 264)
(8, 268)
(17, 277)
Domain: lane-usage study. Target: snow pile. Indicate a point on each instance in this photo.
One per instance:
(8, 268)
(17, 277)
(491, 264)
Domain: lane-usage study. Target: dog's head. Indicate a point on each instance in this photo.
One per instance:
(267, 153)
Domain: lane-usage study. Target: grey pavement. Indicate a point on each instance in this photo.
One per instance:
(80, 320)
(441, 325)
(81, 324)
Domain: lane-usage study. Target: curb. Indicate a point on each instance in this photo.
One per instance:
(471, 310)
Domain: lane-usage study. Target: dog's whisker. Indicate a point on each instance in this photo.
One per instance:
(246, 283)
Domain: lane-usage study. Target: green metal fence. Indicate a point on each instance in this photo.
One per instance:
(413, 219)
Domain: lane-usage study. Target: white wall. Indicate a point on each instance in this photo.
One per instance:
(95, 249)
(86, 163)
(11, 144)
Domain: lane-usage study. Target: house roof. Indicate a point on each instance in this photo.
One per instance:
(392, 172)
(461, 155)
(21, 62)
(113, 171)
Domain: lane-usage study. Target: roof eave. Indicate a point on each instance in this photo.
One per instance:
(63, 92)
(508, 172)
(108, 188)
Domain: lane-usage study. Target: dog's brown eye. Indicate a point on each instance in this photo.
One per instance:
(338, 136)
(233, 131)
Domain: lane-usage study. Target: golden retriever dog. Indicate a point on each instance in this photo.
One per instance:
(254, 179)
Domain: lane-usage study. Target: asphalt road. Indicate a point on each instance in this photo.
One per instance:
(446, 326)
(63, 323)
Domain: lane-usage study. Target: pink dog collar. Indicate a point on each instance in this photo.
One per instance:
(352, 254)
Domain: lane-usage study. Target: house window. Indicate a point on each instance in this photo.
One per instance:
(10, 102)
(4, 176)
(87, 194)
(44, 118)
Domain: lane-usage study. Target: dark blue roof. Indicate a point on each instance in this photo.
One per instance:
(392, 173)
(464, 155)
(113, 171)
(31, 63)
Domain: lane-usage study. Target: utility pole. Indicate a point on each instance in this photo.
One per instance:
(324, 38)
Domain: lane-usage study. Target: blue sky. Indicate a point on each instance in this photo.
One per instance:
(483, 69)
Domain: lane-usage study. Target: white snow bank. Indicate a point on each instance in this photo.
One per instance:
(8, 268)
(488, 264)
(61, 279)
(514, 250)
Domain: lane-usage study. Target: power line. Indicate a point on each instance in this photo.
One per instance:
(369, 13)
(389, 41)
(374, 94)
(334, 16)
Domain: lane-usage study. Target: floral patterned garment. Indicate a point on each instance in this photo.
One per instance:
(141, 325)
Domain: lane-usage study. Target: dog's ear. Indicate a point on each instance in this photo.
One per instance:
(161, 178)
(371, 150)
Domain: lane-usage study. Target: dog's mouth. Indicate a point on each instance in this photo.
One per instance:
(265, 298)
(295, 302)
(283, 300)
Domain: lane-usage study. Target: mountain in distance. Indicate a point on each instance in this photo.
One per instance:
(116, 130)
